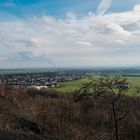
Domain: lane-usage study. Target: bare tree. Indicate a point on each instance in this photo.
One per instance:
(112, 91)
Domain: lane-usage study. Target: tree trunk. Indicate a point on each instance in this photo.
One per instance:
(115, 121)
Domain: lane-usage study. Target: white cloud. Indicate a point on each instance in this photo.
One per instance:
(137, 9)
(8, 3)
(73, 41)
(84, 44)
(103, 6)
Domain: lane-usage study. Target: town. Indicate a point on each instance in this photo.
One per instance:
(42, 79)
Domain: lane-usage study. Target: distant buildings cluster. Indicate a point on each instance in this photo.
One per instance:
(40, 80)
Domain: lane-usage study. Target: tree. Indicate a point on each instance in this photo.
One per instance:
(111, 91)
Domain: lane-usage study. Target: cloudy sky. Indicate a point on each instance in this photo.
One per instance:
(69, 33)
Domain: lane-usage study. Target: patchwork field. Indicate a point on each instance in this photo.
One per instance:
(74, 85)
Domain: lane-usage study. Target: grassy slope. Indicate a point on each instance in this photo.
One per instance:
(73, 85)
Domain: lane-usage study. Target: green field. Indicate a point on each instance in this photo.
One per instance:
(74, 85)
(71, 86)
(134, 81)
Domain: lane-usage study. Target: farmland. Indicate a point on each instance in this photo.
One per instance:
(71, 86)
(74, 85)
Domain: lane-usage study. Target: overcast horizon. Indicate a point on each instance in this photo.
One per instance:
(69, 33)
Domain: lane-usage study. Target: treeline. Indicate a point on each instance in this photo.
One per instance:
(50, 115)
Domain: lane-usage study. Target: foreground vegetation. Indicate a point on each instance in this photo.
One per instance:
(50, 115)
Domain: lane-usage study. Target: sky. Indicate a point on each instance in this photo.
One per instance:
(69, 33)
